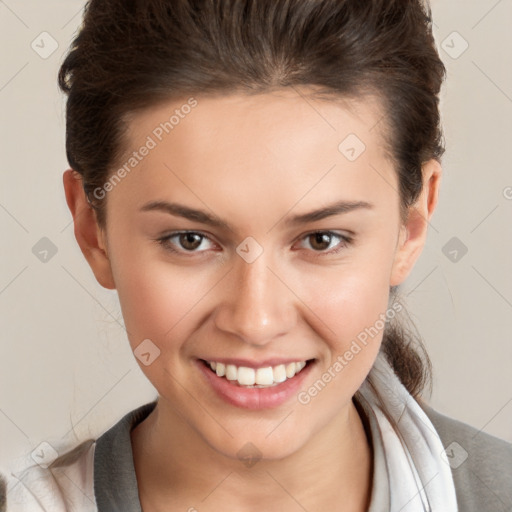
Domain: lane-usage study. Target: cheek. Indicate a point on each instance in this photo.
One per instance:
(155, 298)
(350, 298)
(352, 309)
(351, 301)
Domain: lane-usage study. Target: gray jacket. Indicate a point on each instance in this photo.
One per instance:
(481, 465)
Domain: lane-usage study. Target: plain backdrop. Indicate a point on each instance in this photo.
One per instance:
(67, 371)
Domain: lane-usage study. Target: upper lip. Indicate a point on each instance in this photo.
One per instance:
(275, 361)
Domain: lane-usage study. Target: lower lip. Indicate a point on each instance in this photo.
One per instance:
(255, 398)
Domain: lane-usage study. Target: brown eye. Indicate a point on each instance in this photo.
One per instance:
(185, 242)
(320, 241)
(190, 241)
(326, 243)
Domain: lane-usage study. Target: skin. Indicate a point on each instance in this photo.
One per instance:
(254, 162)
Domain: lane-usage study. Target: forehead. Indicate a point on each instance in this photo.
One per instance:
(278, 120)
(283, 143)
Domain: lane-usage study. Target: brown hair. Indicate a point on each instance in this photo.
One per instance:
(129, 55)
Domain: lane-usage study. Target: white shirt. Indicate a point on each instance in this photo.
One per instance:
(69, 488)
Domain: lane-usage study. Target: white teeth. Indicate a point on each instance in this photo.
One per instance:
(261, 377)
(231, 372)
(279, 372)
(290, 370)
(246, 376)
(220, 369)
(265, 376)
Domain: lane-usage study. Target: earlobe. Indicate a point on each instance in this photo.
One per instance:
(414, 233)
(90, 237)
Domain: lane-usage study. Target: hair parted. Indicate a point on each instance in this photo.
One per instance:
(133, 54)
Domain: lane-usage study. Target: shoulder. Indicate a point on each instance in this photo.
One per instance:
(66, 484)
(481, 464)
(32, 490)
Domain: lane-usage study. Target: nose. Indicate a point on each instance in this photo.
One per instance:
(258, 306)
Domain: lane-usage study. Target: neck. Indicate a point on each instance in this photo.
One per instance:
(174, 465)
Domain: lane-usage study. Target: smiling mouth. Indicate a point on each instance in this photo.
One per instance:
(264, 377)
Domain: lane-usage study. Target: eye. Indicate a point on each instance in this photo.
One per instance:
(322, 241)
(192, 242)
(185, 241)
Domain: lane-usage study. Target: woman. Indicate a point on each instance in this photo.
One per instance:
(256, 178)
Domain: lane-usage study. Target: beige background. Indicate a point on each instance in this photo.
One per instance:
(66, 367)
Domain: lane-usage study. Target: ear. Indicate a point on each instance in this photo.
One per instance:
(90, 237)
(414, 233)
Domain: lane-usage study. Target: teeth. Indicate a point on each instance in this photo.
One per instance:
(279, 373)
(246, 376)
(265, 376)
(261, 377)
(290, 370)
(231, 371)
(220, 369)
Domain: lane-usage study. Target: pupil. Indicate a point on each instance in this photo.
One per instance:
(322, 238)
(187, 240)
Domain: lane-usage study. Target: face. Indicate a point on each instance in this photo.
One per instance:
(216, 256)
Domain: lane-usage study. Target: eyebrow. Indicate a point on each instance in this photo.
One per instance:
(180, 210)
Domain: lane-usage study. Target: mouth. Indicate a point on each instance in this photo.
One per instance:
(255, 387)
(260, 377)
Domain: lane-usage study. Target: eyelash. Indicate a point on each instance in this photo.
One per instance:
(345, 241)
